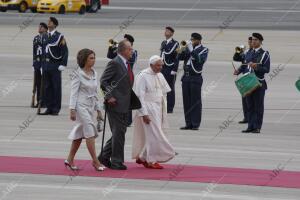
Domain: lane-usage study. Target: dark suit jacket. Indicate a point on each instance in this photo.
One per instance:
(115, 83)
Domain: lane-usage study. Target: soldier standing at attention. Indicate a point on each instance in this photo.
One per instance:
(169, 55)
(37, 59)
(56, 58)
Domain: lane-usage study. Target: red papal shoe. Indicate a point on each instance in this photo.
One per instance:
(139, 161)
(158, 166)
(154, 166)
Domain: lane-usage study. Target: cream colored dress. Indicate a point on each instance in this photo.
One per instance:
(85, 100)
(149, 140)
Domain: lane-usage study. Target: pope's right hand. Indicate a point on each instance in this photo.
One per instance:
(73, 115)
(146, 119)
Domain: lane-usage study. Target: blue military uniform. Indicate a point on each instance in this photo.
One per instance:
(55, 55)
(37, 63)
(243, 57)
(191, 84)
(169, 56)
(112, 52)
(255, 100)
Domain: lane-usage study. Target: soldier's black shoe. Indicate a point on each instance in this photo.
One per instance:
(194, 128)
(54, 113)
(170, 111)
(256, 131)
(243, 121)
(186, 128)
(47, 112)
(247, 131)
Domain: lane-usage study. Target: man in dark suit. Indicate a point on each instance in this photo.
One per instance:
(113, 52)
(116, 83)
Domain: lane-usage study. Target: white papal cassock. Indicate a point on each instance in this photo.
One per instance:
(149, 141)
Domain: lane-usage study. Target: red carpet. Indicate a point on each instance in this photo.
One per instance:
(201, 174)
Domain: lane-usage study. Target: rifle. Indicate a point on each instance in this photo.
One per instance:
(33, 90)
(41, 95)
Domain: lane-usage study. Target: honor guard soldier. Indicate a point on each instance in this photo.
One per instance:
(244, 57)
(194, 55)
(56, 58)
(169, 55)
(260, 64)
(37, 62)
(112, 53)
(113, 46)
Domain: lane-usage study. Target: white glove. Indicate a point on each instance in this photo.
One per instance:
(190, 46)
(173, 73)
(61, 68)
(32, 68)
(41, 70)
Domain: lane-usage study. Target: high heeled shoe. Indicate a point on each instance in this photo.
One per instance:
(67, 164)
(100, 168)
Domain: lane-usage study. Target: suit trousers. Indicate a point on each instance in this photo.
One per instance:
(114, 147)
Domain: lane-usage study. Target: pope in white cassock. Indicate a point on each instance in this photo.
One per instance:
(150, 144)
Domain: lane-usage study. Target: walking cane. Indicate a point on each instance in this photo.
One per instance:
(103, 134)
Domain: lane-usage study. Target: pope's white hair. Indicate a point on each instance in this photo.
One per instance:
(154, 59)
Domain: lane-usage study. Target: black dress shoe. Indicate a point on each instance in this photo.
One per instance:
(54, 113)
(186, 128)
(256, 131)
(243, 121)
(118, 166)
(195, 128)
(105, 162)
(247, 130)
(170, 111)
(47, 112)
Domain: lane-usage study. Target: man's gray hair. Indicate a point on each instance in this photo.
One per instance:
(122, 46)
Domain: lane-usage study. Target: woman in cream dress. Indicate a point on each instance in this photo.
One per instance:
(84, 103)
